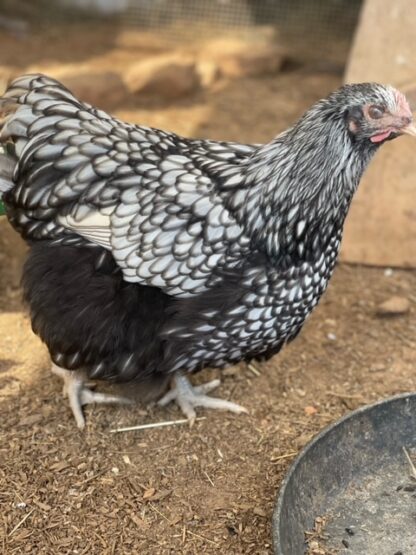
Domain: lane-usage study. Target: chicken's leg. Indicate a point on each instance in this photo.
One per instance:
(188, 397)
(75, 388)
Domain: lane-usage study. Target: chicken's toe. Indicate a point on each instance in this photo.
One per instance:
(188, 397)
(79, 394)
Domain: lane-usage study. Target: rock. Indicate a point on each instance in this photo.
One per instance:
(395, 306)
(238, 58)
(165, 77)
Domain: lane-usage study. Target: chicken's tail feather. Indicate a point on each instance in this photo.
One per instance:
(7, 166)
(25, 102)
(8, 108)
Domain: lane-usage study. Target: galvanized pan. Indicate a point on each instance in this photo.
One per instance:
(356, 476)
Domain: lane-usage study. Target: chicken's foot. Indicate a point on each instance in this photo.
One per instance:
(188, 397)
(79, 394)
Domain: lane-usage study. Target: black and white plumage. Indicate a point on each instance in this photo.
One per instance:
(153, 255)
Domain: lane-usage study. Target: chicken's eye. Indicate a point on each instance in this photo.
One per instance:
(376, 112)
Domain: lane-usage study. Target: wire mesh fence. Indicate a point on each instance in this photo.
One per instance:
(317, 28)
(161, 14)
(310, 22)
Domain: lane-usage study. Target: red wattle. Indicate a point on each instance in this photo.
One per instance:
(380, 137)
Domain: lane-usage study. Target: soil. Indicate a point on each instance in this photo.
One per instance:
(209, 489)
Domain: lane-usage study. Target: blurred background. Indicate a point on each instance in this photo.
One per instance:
(239, 70)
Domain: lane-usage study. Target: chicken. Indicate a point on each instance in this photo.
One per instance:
(153, 256)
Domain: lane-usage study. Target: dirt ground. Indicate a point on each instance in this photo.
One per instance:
(209, 489)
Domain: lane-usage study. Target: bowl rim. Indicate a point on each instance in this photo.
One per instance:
(277, 511)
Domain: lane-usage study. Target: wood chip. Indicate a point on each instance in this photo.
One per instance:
(41, 505)
(31, 420)
(59, 466)
(162, 494)
(21, 522)
(149, 493)
(139, 522)
(259, 512)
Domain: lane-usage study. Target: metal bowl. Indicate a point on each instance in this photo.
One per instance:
(355, 475)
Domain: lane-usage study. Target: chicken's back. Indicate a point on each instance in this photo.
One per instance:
(58, 151)
(77, 176)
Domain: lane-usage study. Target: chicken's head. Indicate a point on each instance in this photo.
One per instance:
(377, 113)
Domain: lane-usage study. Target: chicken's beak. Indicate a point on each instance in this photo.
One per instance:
(409, 130)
